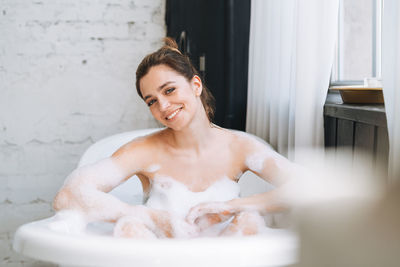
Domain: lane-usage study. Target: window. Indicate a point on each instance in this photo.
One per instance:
(358, 48)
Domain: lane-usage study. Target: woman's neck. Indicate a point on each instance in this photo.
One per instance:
(195, 136)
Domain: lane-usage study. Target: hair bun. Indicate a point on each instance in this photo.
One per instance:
(170, 43)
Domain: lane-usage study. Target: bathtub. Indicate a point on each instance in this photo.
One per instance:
(97, 247)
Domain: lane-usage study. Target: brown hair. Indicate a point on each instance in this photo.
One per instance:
(170, 55)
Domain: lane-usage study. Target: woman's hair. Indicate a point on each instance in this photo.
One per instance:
(170, 56)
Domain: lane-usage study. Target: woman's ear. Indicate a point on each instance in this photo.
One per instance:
(197, 85)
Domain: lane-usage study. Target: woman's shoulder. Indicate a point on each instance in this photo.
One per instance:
(141, 144)
(247, 142)
(246, 138)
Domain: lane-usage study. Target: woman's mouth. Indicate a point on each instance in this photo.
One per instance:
(173, 114)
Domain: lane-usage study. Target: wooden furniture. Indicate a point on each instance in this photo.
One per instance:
(360, 127)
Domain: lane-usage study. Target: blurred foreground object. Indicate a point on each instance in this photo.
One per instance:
(345, 216)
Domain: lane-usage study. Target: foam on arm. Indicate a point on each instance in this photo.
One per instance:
(85, 190)
(261, 159)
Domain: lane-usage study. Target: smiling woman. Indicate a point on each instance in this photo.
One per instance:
(173, 100)
(189, 170)
(170, 56)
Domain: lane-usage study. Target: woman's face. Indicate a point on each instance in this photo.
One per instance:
(172, 99)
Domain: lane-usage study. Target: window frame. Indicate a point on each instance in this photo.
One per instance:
(376, 48)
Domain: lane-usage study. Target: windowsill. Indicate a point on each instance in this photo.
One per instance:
(354, 87)
(366, 113)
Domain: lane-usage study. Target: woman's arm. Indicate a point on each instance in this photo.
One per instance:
(261, 159)
(85, 189)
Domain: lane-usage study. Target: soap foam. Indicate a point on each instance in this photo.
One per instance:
(153, 168)
(105, 174)
(261, 152)
(68, 221)
(88, 184)
(84, 191)
(255, 162)
(172, 196)
(169, 194)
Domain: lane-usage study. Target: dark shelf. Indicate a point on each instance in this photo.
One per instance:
(373, 114)
(360, 127)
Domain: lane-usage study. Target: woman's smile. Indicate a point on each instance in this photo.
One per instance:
(172, 115)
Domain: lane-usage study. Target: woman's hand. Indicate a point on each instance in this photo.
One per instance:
(207, 214)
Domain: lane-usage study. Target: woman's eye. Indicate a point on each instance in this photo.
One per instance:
(170, 90)
(151, 102)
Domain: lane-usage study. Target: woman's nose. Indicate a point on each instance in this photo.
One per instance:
(164, 104)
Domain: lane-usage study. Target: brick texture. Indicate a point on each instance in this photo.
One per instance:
(67, 74)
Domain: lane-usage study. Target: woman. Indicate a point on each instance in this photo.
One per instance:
(189, 170)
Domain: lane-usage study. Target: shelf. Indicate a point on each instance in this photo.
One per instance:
(373, 114)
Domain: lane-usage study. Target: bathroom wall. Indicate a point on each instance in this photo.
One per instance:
(66, 80)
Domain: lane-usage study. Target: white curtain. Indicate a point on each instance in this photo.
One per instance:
(290, 59)
(391, 81)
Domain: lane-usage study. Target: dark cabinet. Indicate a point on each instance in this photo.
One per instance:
(360, 128)
(215, 35)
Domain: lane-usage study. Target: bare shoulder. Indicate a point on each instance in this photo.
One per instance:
(138, 152)
(138, 144)
(247, 142)
(259, 157)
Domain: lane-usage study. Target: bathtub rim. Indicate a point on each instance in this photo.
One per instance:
(36, 241)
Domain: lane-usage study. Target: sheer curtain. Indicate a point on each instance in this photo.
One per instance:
(290, 59)
(391, 81)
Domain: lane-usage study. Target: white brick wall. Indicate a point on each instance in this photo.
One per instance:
(67, 74)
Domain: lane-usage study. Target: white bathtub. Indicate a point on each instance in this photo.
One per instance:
(96, 247)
